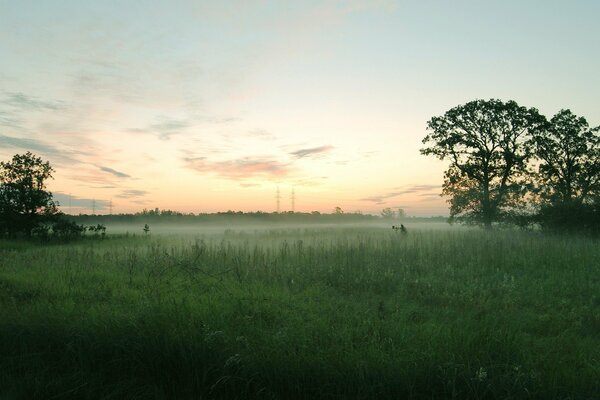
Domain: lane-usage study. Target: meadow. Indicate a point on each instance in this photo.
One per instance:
(348, 312)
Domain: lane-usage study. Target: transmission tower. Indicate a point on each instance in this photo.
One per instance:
(110, 207)
(278, 197)
(94, 207)
(293, 200)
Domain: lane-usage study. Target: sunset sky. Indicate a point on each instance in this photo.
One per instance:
(203, 106)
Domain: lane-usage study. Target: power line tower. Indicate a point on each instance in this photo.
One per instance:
(293, 200)
(94, 207)
(110, 207)
(278, 197)
(69, 203)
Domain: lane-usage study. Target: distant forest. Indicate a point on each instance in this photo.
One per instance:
(168, 216)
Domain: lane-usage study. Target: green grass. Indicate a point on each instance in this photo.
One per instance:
(302, 314)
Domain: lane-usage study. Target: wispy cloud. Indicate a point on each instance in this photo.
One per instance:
(165, 129)
(67, 200)
(309, 182)
(132, 193)
(114, 172)
(10, 120)
(29, 103)
(242, 168)
(261, 134)
(16, 109)
(419, 190)
(311, 152)
(38, 146)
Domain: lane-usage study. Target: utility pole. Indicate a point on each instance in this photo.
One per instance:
(110, 207)
(278, 197)
(94, 207)
(293, 200)
(69, 203)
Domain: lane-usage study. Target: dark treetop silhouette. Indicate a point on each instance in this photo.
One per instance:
(488, 144)
(25, 203)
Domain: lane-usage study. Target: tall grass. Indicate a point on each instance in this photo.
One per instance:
(306, 313)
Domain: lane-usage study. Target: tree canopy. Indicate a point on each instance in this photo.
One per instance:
(569, 155)
(488, 145)
(24, 201)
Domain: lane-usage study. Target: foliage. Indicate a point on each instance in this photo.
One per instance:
(388, 213)
(25, 204)
(488, 145)
(570, 217)
(98, 229)
(67, 230)
(569, 154)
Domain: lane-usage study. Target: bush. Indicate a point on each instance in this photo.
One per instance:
(570, 218)
(67, 230)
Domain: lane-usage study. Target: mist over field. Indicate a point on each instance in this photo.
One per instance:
(195, 228)
(303, 312)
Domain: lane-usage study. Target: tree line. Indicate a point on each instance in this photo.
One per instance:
(509, 164)
(28, 209)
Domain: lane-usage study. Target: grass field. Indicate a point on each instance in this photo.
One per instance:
(330, 313)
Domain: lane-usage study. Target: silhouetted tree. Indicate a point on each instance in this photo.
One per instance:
(25, 204)
(569, 154)
(388, 213)
(568, 174)
(488, 145)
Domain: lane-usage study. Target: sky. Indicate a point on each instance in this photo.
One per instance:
(205, 106)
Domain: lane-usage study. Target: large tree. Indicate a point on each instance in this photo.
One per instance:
(24, 201)
(488, 144)
(569, 155)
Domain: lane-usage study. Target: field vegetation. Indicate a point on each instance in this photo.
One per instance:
(305, 313)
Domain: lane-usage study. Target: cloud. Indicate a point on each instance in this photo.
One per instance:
(261, 134)
(429, 196)
(164, 128)
(37, 146)
(10, 120)
(67, 201)
(242, 168)
(168, 127)
(114, 172)
(311, 152)
(29, 103)
(217, 120)
(129, 193)
(14, 105)
(420, 190)
(308, 182)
